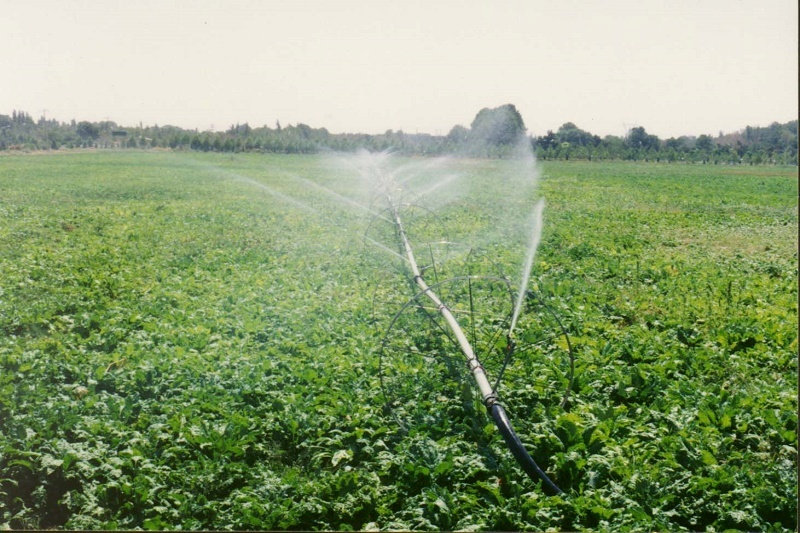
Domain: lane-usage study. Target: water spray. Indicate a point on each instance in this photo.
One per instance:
(497, 335)
(536, 235)
(455, 331)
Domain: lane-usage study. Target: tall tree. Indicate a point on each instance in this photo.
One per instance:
(497, 127)
(458, 134)
(638, 138)
(572, 134)
(88, 131)
(704, 143)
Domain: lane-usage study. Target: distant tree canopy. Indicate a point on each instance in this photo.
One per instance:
(500, 126)
(458, 134)
(87, 130)
(775, 144)
(638, 138)
(572, 134)
(494, 132)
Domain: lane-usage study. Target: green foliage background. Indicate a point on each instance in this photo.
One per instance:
(492, 134)
(181, 347)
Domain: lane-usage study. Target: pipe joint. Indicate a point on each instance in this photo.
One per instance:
(475, 366)
(491, 400)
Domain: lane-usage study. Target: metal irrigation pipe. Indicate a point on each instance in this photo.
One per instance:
(490, 399)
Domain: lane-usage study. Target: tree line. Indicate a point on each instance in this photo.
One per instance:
(774, 144)
(493, 133)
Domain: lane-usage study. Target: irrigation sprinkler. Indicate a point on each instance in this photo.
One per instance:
(451, 307)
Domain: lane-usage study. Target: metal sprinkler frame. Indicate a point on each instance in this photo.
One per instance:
(488, 393)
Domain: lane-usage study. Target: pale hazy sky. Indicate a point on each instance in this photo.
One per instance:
(675, 67)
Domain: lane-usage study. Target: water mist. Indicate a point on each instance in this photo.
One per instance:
(536, 234)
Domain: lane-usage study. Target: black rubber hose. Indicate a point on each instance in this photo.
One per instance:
(527, 463)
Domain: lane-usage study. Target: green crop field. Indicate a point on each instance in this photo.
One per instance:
(192, 341)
